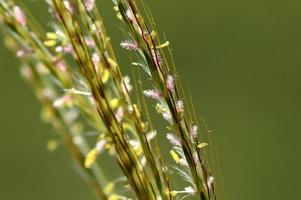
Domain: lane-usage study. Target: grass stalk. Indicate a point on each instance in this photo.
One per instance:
(76, 76)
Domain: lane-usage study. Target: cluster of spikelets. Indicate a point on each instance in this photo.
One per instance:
(76, 76)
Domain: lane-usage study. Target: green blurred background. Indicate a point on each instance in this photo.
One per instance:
(241, 59)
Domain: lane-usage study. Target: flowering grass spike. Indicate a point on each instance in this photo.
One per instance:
(85, 96)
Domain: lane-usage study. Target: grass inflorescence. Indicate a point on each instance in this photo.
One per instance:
(74, 73)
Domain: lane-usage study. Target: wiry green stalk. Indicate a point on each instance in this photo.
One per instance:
(94, 93)
(127, 158)
(166, 86)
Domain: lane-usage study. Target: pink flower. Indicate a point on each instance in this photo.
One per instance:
(19, 16)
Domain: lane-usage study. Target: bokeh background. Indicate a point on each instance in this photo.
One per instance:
(242, 62)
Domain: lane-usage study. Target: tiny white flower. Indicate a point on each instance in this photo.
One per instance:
(93, 27)
(210, 181)
(196, 159)
(48, 93)
(78, 140)
(60, 102)
(92, 100)
(23, 52)
(26, 72)
(60, 65)
(100, 145)
(42, 69)
(183, 162)
(129, 45)
(126, 86)
(131, 16)
(157, 58)
(75, 91)
(95, 60)
(190, 189)
(68, 6)
(167, 116)
(71, 115)
(170, 83)
(152, 94)
(59, 49)
(89, 42)
(119, 114)
(135, 144)
(130, 109)
(20, 53)
(64, 49)
(151, 135)
(90, 5)
(173, 139)
(180, 106)
(143, 161)
(193, 133)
